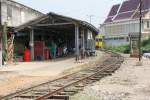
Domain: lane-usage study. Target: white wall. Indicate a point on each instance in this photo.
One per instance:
(16, 14)
(121, 28)
(115, 30)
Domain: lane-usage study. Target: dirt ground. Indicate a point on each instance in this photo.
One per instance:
(22, 75)
(130, 82)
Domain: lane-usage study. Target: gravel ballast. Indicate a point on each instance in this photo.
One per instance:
(130, 82)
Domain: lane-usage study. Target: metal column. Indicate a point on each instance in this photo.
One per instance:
(77, 41)
(32, 44)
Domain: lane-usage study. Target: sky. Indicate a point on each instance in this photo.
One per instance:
(80, 9)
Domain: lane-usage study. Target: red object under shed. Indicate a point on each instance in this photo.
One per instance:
(26, 55)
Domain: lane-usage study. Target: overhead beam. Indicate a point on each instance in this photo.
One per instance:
(55, 24)
(54, 29)
(66, 19)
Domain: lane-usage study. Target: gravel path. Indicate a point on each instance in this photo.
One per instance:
(130, 82)
(23, 75)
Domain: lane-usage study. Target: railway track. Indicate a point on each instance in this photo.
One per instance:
(62, 88)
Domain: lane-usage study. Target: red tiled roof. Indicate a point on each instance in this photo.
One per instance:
(146, 4)
(108, 20)
(114, 10)
(137, 14)
(124, 16)
(129, 5)
(127, 9)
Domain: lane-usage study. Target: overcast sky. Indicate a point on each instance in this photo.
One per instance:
(80, 9)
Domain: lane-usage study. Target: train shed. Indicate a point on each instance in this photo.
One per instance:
(75, 35)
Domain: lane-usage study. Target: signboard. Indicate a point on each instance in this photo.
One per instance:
(134, 43)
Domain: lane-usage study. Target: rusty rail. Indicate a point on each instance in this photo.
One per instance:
(58, 88)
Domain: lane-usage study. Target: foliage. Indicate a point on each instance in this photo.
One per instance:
(120, 49)
(146, 45)
(126, 48)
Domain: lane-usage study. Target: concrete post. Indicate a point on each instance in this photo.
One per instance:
(32, 44)
(77, 41)
(1, 57)
(84, 39)
(83, 43)
(4, 43)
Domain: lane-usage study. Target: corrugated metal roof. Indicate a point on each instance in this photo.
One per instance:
(54, 15)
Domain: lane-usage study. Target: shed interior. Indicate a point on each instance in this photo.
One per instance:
(63, 37)
(39, 35)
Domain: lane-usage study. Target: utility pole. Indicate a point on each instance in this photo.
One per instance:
(140, 29)
(90, 17)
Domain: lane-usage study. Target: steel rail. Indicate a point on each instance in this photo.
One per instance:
(95, 72)
(30, 89)
(59, 90)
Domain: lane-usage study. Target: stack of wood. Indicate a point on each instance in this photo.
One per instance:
(10, 50)
(8, 45)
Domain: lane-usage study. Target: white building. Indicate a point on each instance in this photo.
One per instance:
(15, 13)
(123, 19)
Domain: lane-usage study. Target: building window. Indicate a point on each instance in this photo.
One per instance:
(22, 16)
(127, 39)
(90, 35)
(147, 24)
(9, 12)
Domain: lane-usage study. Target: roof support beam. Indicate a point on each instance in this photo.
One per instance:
(66, 18)
(39, 19)
(55, 24)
